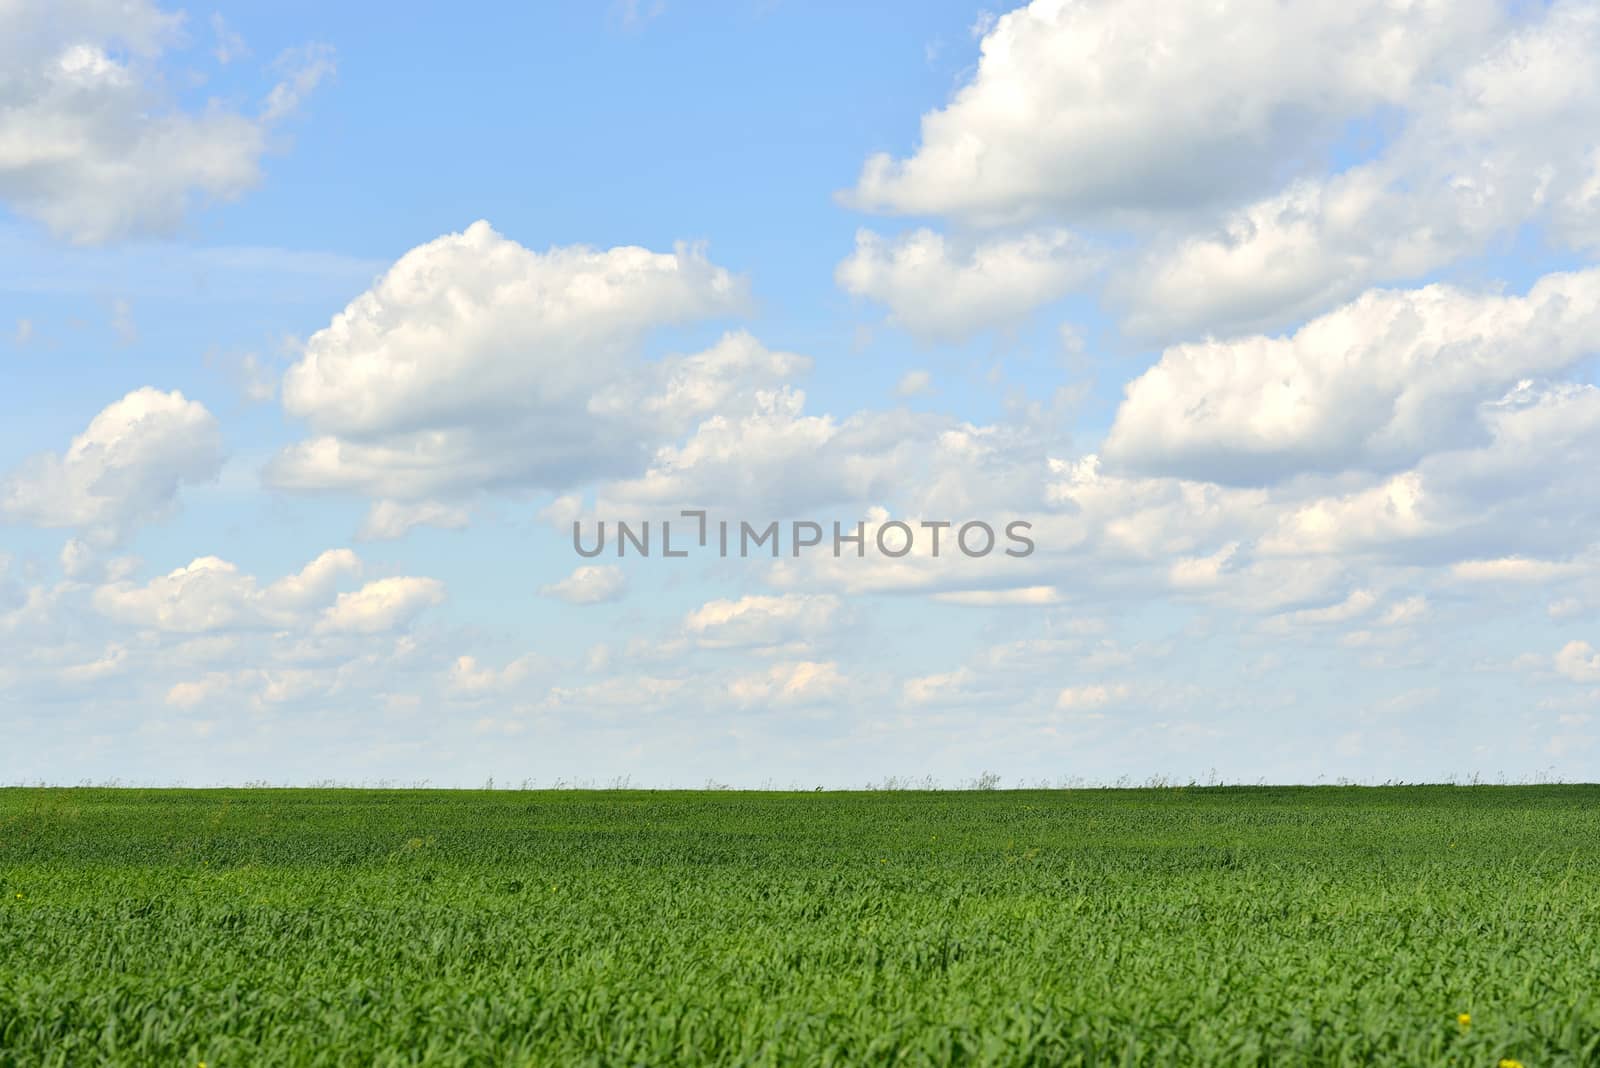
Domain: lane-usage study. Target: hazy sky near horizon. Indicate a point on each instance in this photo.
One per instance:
(319, 329)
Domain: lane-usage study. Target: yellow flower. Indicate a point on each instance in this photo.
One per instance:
(1507, 1062)
(1464, 1019)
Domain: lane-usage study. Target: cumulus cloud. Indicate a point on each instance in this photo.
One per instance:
(757, 620)
(1579, 661)
(1375, 385)
(212, 594)
(940, 290)
(1079, 109)
(125, 469)
(476, 363)
(1467, 122)
(471, 679)
(385, 605)
(786, 684)
(1301, 543)
(1502, 139)
(773, 452)
(1470, 506)
(92, 145)
(774, 457)
(675, 393)
(590, 584)
(212, 634)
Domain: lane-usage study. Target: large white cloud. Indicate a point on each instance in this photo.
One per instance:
(1492, 512)
(1324, 148)
(1378, 384)
(939, 290)
(93, 146)
(1095, 107)
(126, 468)
(772, 456)
(212, 595)
(475, 362)
(1507, 138)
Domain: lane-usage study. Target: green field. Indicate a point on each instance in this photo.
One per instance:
(1227, 926)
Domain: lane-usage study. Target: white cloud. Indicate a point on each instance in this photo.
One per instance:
(589, 584)
(942, 290)
(230, 45)
(1469, 506)
(314, 584)
(1501, 140)
(1201, 572)
(77, 558)
(1579, 662)
(113, 662)
(774, 456)
(1403, 612)
(194, 693)
(1359, 603)
(1090, 697)
(90, 143)
(388, 520)
(762, 620)
(1468, 122)
(939, 688)
(210, 594)
(1565, 608)
(915, 383)
(674, 393)
(476, 363)
(303, 69)
(385, 605)
(635, 693)
(1377, 384)
(791, 683)
(1513, 569)
(469, 678)
(1081, 109)
(125, 469)
(122, 321)
(1022, 595)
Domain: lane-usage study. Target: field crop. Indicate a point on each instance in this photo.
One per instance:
(1221, 926)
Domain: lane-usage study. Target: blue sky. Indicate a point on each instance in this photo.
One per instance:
(320, 328)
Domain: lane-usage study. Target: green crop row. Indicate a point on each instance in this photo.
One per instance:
(1225, 926)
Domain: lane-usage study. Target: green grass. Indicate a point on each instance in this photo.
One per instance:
(1225, 926)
